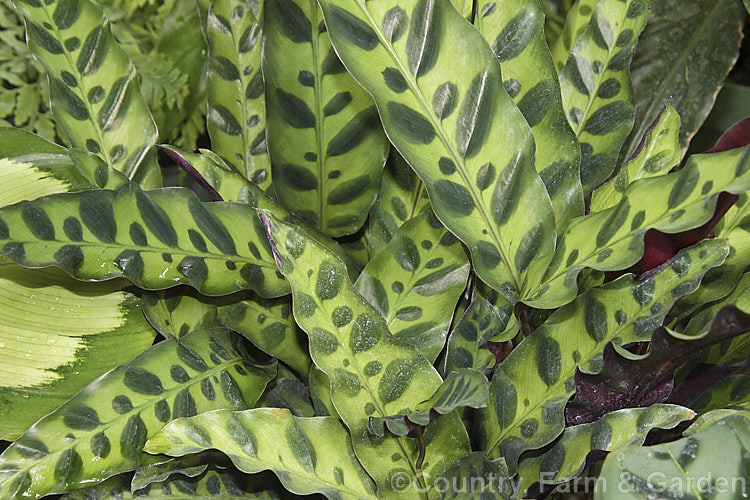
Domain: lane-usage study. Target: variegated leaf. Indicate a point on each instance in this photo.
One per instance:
(309, 455)
(658, 152)
(93, 85)
(324, 136)
(451, 119)
(287, 391)
(269, 325)
(415, 283)
(515, 31)
(531, 387)
(371, 373)
(178, 311)
(613, 238)
(150, 241)
(476, 476)
(102, 429)
(236, 118)
(627, 427)
(576, 23)
(402, 196)
(596, 88)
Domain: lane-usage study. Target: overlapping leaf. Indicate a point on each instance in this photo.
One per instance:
(531, 387)
(683, 56)
(178, 311)
(415, 283)
(628, 427)
(451, 119)
(515, 31)
(658, 152)
(371, 373)
(476, 476)
(156, 240)
(236, 118)
(320, 392)
(576, 23)
(732, 392)
(309, 455)
(402, 197)
(269, 325)
(101, 430)
(613, 238)
(596, 88)
(324, 136)
(287, 391)
(676, 467)
(93, 85)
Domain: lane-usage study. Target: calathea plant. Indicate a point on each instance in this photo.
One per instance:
(433, 257)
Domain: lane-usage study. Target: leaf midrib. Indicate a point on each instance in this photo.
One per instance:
(437, 125)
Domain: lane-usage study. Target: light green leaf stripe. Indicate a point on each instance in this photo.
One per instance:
(681, 464)
(102, 429)
(483, 320)
(309, 455)
(596, 89)
(415, 283)
(575, 24)
(158, 240)
(450, 118)
(402, 197)
(627, 427)
(269, 325)
(465, 388)
(93, 85)
(66, 334)
(325, 139)
(613, 238)
(660, 151)
(371, 373)
(532, 385)
(236, 118)
(515, 31)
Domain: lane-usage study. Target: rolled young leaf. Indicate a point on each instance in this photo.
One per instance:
(324, 136)
(415, 283)
(102, 429)
(93, 85)
(236, 118)
(309, 455)
(532, 385)
(156, 240)
(596, 88)
(371, 373)
(451, 119)
(515, 31)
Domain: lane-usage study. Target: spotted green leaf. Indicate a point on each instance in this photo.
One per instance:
(483, 320)
(515, 31)
(320, 392)
(415, 283)
(324, 136)
(66, 334)
(102, 429)
(731, 392)
(309, 455)
(659, 152)
(613, 238)
(188, 466)
(465, 388)
(287, 391)
(156, 240)
(178, 311)
(717, 454)
(224, 184)
(627, 427)
(371, 372)
(236, 118)
(453, 122)
(596, 89)
(402, 197)
(269, 325)
(93, 85)
(476, 476)
(683, 57)
(576, 22)
(532, 385)
(216, 482)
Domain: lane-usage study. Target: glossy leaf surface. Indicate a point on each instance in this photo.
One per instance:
(445, 113)
(324, 136)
